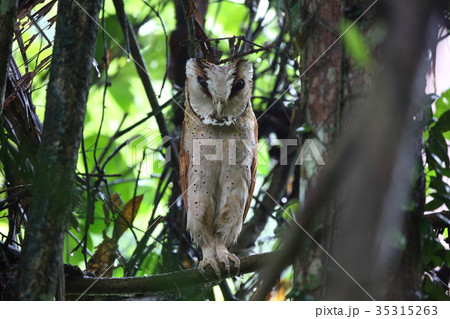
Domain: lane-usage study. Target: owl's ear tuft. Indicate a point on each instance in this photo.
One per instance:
(195, 64)
(245, 67)
(190, 67)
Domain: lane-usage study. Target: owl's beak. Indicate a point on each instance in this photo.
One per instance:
(219, 108)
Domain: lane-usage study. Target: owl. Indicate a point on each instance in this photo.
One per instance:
(218, 154)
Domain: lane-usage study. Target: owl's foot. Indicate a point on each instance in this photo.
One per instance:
(227, 258)
(214, 265)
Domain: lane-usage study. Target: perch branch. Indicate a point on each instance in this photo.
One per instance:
(77, 285)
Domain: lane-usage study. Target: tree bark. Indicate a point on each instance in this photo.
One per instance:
(8, 14)
(321, 93)
(70, 73)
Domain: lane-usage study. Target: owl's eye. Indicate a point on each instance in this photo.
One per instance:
(239, 85)
(202, 82)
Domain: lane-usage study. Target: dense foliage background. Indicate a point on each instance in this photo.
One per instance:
(314, 64)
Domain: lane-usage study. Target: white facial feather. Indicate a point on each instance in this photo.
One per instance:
(218, 95)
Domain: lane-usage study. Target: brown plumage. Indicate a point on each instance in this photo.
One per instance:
(218, 155)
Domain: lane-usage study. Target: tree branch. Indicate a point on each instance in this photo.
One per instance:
(77, 285)
(8, 12)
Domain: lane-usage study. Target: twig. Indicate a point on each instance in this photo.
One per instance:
(149, 115)
(105, 90)
(117, 150)
(110, 143)
(244, 53)
(238, 37)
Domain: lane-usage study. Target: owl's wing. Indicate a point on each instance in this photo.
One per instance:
(253, 171)
(184, 168)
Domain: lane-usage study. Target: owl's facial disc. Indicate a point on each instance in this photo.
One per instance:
(218, 95)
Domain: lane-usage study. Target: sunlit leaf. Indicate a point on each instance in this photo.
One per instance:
(355, 43)
(442, 104)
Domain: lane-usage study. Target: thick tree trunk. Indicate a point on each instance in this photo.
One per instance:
(366, 240)
(68, 88)
(321, 58)
(369, 176)
(8, 13)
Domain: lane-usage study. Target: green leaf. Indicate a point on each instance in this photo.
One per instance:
(291, 209)
(445, 198)
(437, 145)
(433, 205)
(445, 172)
(439, 185)
(443, 124)
(442, 104)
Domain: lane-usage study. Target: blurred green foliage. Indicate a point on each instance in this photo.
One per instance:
(355, 44)
(435, 257)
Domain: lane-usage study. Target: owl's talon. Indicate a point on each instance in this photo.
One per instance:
(214, 265)
(227, 268)
(202, 271)
(227, 258)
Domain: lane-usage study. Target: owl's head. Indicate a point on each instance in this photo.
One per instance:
(218, 95)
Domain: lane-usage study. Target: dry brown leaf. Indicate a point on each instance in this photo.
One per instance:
(101, 263)
(126, 218)
(114, 205)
